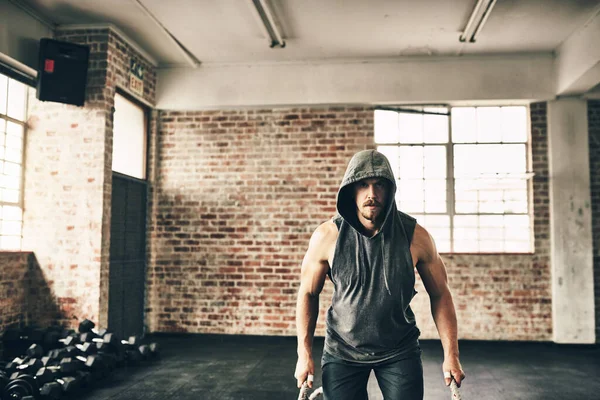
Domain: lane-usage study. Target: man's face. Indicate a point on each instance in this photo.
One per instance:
(371, 196)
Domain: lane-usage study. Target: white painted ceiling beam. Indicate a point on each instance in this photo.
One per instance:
(432, 80)
(578, 59)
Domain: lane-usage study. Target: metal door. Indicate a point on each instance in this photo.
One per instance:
(127, 276)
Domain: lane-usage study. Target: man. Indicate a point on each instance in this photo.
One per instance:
(369, 252)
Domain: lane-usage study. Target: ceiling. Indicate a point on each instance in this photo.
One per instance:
(228, 31)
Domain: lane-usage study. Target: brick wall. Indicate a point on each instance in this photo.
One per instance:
(237, 195)
(24, 293)
(69, 177)
(594, 140)
(12, 288)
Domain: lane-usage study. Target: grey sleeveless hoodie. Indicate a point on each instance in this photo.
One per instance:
(370, 319)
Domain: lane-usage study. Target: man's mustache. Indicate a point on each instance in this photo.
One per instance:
(369, 203)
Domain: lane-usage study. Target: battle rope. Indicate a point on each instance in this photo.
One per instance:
(304, 392)
(454, 390)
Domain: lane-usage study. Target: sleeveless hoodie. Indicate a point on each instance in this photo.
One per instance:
(370, 319)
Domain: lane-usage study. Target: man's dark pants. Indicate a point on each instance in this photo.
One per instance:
(400, 378)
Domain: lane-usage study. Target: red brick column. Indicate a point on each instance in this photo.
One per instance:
(68, 183)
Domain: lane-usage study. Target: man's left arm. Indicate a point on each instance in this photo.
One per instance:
(432, 270)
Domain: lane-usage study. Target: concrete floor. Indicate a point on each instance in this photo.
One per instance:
(226, 367)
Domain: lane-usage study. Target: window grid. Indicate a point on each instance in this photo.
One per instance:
(13, 107)
(524, 246)
(450, 182)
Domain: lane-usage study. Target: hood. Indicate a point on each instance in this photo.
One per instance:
(364, 165)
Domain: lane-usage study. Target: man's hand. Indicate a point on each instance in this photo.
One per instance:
(305, 370)
(453, 369)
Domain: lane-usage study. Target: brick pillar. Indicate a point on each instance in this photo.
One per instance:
(68, 183)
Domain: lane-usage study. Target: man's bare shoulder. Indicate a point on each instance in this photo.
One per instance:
(326, 231)
(420, 235)
(423, 244)
(323, 241)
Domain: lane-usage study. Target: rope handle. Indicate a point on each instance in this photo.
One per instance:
(454, 390)
(303, 395)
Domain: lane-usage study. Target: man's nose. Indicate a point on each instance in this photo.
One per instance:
(371, 191)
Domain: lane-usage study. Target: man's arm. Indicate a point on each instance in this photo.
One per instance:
(433, 274)
(314, 271)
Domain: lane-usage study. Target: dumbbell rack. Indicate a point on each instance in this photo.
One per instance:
(74, 361)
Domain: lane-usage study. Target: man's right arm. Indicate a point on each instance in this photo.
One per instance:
(314, 271)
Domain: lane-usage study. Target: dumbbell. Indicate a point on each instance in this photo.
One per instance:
(87, 326)
(132, 349)
(54, 337)
(27, 367)
(11, 366)
(113, 356)
(65, 385)
(20, 387)
(110, 344)
(47, 374)
(35, 351)
(92, 364)
(51, 390)
(69, 340)
(87, 348)
(149, 351)
(88, 337)
(56, 374)
(54, 357)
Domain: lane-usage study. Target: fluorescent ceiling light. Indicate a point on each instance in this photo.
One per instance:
(268, 23)
(480, 14)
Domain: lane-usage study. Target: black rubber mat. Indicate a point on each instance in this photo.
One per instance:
(227, 367)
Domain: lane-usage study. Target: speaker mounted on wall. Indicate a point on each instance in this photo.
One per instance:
(62, 72)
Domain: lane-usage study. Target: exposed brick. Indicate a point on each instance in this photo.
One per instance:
(69, 176)
(25, 295)
(268, 190)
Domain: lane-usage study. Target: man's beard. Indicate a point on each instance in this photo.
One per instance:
(374, 214)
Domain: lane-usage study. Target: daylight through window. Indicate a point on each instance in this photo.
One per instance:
(463, 172)
(13, 107)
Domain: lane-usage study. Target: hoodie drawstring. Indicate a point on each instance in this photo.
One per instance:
(385, 264)
(359, 270)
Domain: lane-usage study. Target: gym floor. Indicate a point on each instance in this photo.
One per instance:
(227, 367)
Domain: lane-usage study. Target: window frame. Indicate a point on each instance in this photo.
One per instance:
(147, 126)
(29, 84)
(449, 146)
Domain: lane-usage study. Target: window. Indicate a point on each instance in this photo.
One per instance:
(13, 107)
(463, 173)
(129, 138)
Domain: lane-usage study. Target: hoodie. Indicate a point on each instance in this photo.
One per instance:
(370, 319)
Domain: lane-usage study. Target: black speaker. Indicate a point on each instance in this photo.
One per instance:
(62, 72)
